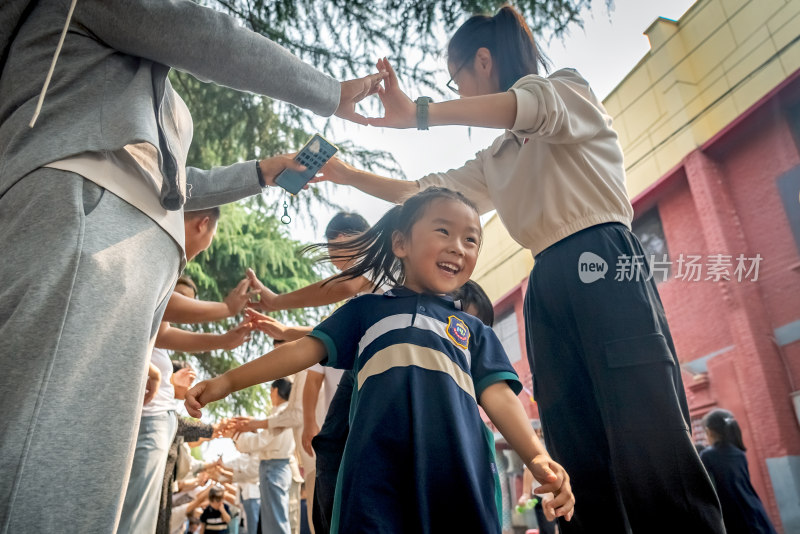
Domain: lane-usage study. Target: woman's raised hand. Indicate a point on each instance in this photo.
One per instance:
(399, 111)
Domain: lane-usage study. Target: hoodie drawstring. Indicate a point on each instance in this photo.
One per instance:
(53, 64)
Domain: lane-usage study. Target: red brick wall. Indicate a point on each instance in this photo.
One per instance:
(693, 308)
(733, 198)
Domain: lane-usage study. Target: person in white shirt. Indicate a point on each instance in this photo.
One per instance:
(245, 469)
(274, 446)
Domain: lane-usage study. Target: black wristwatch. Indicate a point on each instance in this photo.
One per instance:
(260, 174)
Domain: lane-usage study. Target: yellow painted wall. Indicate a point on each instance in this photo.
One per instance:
(502, 263)
(702, 71)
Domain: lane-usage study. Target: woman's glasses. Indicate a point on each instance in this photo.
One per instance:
(451, 84)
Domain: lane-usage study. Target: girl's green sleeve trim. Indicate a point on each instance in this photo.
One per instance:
(488, 380)
(330, 346)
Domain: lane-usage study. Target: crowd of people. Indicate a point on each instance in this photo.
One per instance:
(99, 213)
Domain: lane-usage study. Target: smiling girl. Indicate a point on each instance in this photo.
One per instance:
(418, 458)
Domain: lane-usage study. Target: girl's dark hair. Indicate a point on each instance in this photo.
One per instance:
(508, 38)
(345, 223)
(724, 425)
(472, 294)
(284, 388)
(371, 251)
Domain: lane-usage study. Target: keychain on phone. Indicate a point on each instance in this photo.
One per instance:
(286, 218)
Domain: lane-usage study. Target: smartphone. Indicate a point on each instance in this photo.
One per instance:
(316, 152)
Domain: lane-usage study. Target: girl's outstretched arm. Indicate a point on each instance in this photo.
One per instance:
(506, 412)
(313, 295)
(283, 361)
(388, 189)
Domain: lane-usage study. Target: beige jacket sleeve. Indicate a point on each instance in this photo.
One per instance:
(558, 109)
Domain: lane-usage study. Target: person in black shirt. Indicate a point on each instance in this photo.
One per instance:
(726, 463)
(216, 515)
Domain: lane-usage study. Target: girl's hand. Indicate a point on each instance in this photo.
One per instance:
(183, 377)
(399, 110)
(553, 479)
(269, 325)
(236, 336)
(336, 171)
(237, 299)
(309, 431)
(266, 297)
(206, 391)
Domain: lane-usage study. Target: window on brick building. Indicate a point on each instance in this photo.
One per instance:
(507, 330)
(649, 230)
(789, 189)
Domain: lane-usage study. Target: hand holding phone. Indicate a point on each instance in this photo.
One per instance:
(316, 152)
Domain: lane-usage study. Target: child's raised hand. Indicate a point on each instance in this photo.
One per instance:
(206, 391)
(237, 299)
(269, 325)
(236, 336)
(266, 297)
(183, 377)
(398, 110)
(553, 479)
(336, 171)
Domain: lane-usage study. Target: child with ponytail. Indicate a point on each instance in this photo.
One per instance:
(418, 457)
(726, 463)
(605, 373)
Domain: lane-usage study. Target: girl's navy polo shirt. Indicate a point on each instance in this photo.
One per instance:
(418, 458)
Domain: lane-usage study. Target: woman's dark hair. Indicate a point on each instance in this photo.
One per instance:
(345, 223)
(725, 427)
(472, 294)
(371, 251)
(508, 38)
(284, 388)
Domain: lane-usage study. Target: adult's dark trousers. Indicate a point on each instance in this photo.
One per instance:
(608, 384)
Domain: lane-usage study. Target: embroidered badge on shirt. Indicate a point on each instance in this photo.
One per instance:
(458, 332)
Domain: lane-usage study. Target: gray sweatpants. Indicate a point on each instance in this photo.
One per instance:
(84, 278)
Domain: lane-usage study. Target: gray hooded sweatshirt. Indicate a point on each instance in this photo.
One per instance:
(110, 87)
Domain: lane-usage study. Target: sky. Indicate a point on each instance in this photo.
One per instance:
(604, 51)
